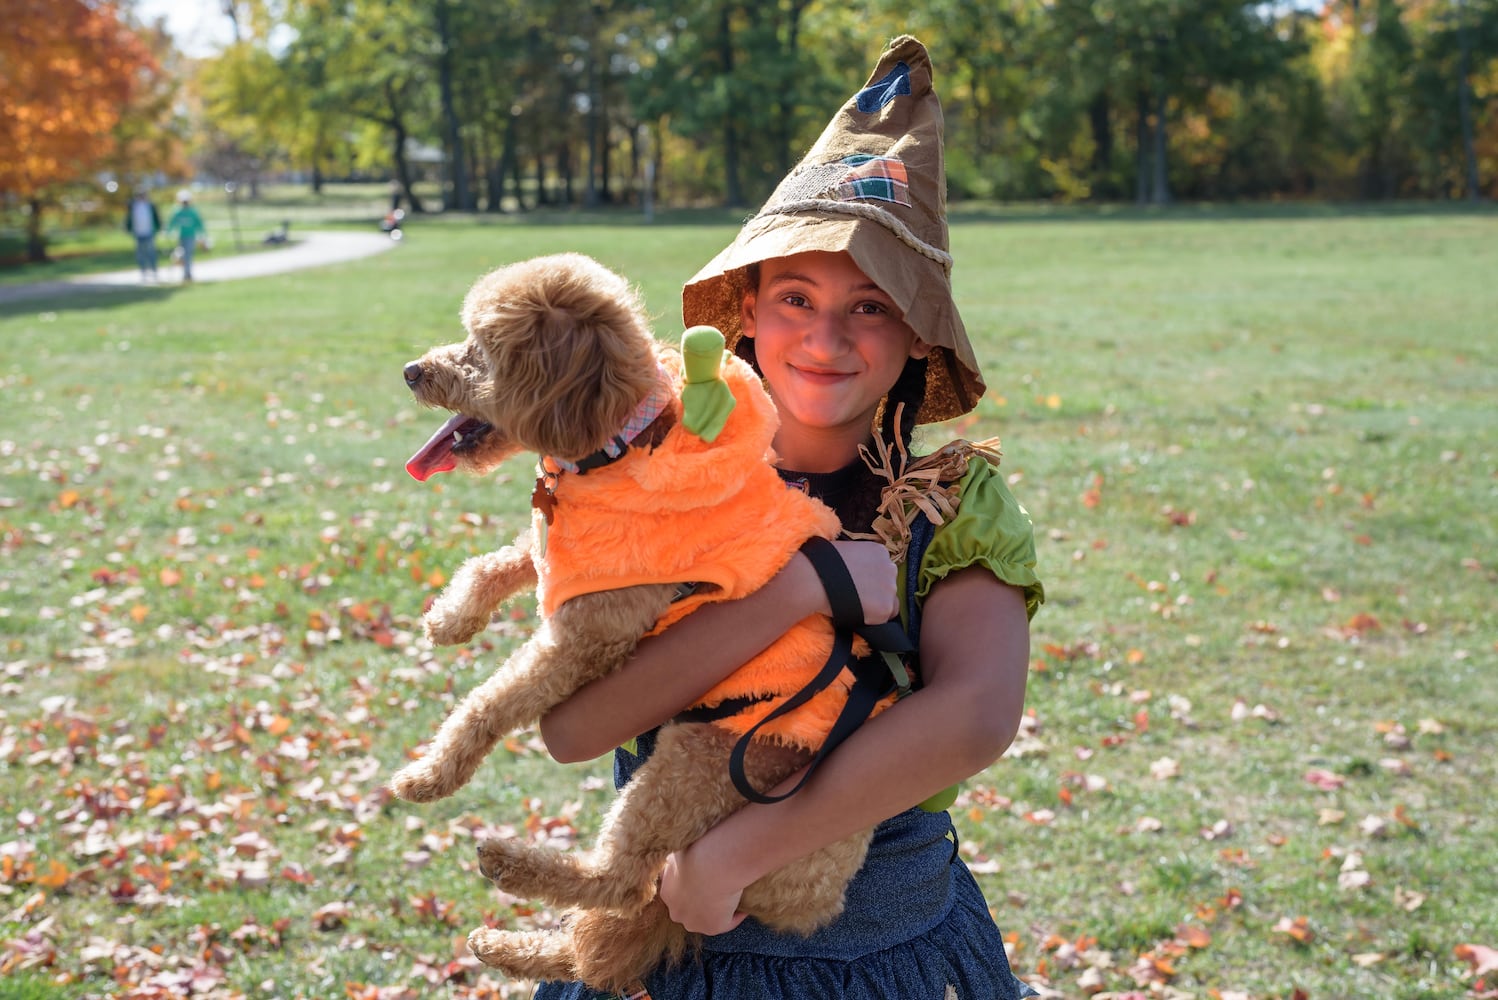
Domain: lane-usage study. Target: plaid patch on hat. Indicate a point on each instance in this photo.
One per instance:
(873, 178)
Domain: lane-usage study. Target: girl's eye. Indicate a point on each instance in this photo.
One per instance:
(871, 308)
(794, 299)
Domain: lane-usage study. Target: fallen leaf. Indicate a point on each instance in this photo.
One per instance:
(1193, 936)
(1299, 929)
(1408, 900)
(1327, 781)
(1165, 768)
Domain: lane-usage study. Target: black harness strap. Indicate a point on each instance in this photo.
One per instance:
(871, 675)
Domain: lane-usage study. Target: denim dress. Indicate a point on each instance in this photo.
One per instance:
(915, 927)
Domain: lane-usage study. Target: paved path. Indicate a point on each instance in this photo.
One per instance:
(308, 249)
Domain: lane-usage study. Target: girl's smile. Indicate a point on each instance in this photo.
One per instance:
(830, 344)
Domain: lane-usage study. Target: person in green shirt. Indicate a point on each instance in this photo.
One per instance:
(189, 227)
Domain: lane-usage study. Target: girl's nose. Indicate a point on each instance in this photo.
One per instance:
(827, 334)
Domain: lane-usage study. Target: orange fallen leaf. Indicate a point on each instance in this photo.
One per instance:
(1299, 929)
(1192, 936)
(56, 877)
(170, 577)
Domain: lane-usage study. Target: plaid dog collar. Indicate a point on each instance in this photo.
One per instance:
(650, 407)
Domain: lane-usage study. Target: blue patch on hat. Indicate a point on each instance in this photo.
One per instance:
(885, 89)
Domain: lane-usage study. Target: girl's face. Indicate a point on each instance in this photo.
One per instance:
(830, 343)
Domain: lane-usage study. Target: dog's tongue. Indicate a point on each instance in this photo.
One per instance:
(437, 454)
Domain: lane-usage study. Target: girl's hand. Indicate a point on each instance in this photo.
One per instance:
(694, 897)
(875, 577)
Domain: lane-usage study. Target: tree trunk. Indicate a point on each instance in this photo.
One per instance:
(1141, 146)
(733, 190)
(507, 165)
(1102, 135)
(786, 118)
(591, 81)
(402, 165)
(36, 244)
(564, 169)
(457, 172)
(1161, 188)
(1464, 101)
(605, 189)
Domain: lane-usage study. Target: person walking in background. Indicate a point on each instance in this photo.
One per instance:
(189, 227)
(143, 222)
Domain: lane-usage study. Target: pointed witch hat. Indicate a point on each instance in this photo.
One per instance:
(873, 185)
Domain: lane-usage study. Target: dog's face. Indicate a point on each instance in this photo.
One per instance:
(557, 357)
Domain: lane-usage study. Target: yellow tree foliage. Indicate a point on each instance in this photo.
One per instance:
(68, 68)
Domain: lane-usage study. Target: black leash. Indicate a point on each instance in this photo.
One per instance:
(872, 675)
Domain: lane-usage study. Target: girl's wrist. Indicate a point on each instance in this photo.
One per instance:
(717, 862)
(803, 587)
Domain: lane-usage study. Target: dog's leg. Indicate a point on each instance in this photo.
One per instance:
(542, 955)
(480, 586)
(807, 894)
(588, 637)
(676, 797)
(615, 950)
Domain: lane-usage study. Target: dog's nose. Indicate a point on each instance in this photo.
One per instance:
(413, 373)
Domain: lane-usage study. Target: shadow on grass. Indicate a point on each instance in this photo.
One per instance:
(77, 296)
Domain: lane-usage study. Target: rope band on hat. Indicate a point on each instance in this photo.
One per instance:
(863, 211)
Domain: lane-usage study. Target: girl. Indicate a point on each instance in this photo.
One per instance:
(839, 292)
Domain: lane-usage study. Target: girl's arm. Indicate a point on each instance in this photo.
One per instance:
(975, 651)
(672, 670)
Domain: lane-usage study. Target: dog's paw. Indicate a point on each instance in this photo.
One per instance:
(489, 946)
(523, 954)
(502, 862)
(452, 629)
(417, 782)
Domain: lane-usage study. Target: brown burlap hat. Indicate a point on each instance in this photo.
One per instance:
(874, 185)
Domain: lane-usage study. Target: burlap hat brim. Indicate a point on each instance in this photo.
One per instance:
(912, 270)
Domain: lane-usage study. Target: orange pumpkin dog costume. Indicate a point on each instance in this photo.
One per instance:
(714, 514)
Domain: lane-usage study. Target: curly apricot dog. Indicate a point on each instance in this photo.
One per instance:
(633, 510)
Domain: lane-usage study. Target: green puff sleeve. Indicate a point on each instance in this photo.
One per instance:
(990, 529)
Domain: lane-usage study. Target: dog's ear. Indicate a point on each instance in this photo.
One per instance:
(569, 348)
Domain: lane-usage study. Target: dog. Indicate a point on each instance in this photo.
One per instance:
(641, 515)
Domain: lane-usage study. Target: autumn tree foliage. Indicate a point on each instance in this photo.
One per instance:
(68, 69)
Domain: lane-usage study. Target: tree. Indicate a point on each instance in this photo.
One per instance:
(151, 135)
(374, 58)
(68, 68)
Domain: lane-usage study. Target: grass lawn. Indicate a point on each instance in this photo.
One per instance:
(1261, 457)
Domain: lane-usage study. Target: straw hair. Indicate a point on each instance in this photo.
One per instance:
(872, 186)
